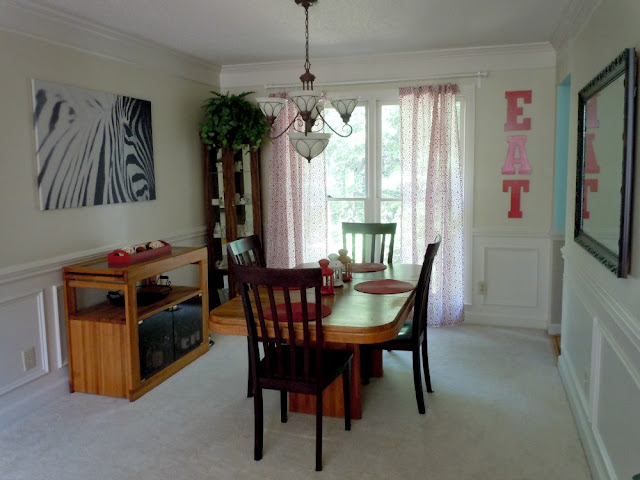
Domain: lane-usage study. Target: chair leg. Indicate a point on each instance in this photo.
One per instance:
(257, 412)
(283, 406)
(249, 376)
(346, 389)
(319, 432)
(417, 380)
(425, 365)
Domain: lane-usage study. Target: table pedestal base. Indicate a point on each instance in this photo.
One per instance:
(332, 398)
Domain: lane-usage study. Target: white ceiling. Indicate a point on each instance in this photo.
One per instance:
(232, 32)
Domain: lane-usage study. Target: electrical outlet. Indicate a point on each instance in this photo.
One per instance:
(29, 359)
(482, 287)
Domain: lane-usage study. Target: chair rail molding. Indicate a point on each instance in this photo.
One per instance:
(18, 272)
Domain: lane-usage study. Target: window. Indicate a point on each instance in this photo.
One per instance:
(362, 184)
(363, 170)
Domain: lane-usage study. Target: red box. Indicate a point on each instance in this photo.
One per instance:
(126, 259)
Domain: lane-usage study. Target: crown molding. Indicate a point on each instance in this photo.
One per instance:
(575, 16)
(392, 66)
(29, 19)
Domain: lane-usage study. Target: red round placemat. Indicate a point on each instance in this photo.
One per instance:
(379, 287)
(296, 311)
(367, 267)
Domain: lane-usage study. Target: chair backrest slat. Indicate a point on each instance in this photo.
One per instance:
(381, 231)
(420, 307)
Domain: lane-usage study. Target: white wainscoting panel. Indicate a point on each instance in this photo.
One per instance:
(515, 268)
(608, 419)
(22, 327)
(57, 294)
(577, 336)
(511, 276)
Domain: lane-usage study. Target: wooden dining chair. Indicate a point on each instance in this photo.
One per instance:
(413, 333)
(293, 359)
(246, 251)
(379, 233)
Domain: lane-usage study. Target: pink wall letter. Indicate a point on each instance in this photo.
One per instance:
(590, 184)
(516, 143)
(516, 186)
(592, 113)
(590, 160)
(514, 111)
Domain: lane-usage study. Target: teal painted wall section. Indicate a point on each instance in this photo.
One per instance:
(562, 152)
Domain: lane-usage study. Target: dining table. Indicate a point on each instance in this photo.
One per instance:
(357, 318)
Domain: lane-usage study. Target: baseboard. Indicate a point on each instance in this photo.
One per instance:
(474, 317)
(589, 443)
(554, 329)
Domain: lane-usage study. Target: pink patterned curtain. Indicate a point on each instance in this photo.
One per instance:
(432, 194)
(296, 230)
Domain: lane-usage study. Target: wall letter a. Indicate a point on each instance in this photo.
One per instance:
(516, 143)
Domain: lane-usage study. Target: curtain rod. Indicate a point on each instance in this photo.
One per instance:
(478, 75)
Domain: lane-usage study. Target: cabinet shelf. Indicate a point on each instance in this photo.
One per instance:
(109, 313)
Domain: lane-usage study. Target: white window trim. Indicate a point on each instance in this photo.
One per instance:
(467, 145)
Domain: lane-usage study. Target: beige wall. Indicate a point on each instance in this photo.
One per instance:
(490, 203)
(28, 234)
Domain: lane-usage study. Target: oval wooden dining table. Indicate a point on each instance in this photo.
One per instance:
(356, 318)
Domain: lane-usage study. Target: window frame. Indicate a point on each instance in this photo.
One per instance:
(373, 101)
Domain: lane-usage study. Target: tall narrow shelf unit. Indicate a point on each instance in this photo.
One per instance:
(233, 206)
(106, 341)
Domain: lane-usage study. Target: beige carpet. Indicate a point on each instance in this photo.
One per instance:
(499, 411)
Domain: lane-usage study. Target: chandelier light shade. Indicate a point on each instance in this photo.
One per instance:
(309, 144)
(309, 119)
(344, 105)
(271, 107)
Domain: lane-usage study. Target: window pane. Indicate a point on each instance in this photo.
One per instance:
(390, 150)
(342, 211)
(346, 157)
(389, 213)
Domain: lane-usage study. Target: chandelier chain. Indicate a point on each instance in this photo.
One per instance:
(307, 64)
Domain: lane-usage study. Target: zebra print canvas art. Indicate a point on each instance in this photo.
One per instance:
(92, 147)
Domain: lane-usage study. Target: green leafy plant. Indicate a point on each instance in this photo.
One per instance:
(231, 121)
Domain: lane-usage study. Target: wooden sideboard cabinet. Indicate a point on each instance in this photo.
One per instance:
(126, 350)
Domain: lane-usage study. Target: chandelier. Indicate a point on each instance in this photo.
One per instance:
(307, 136)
